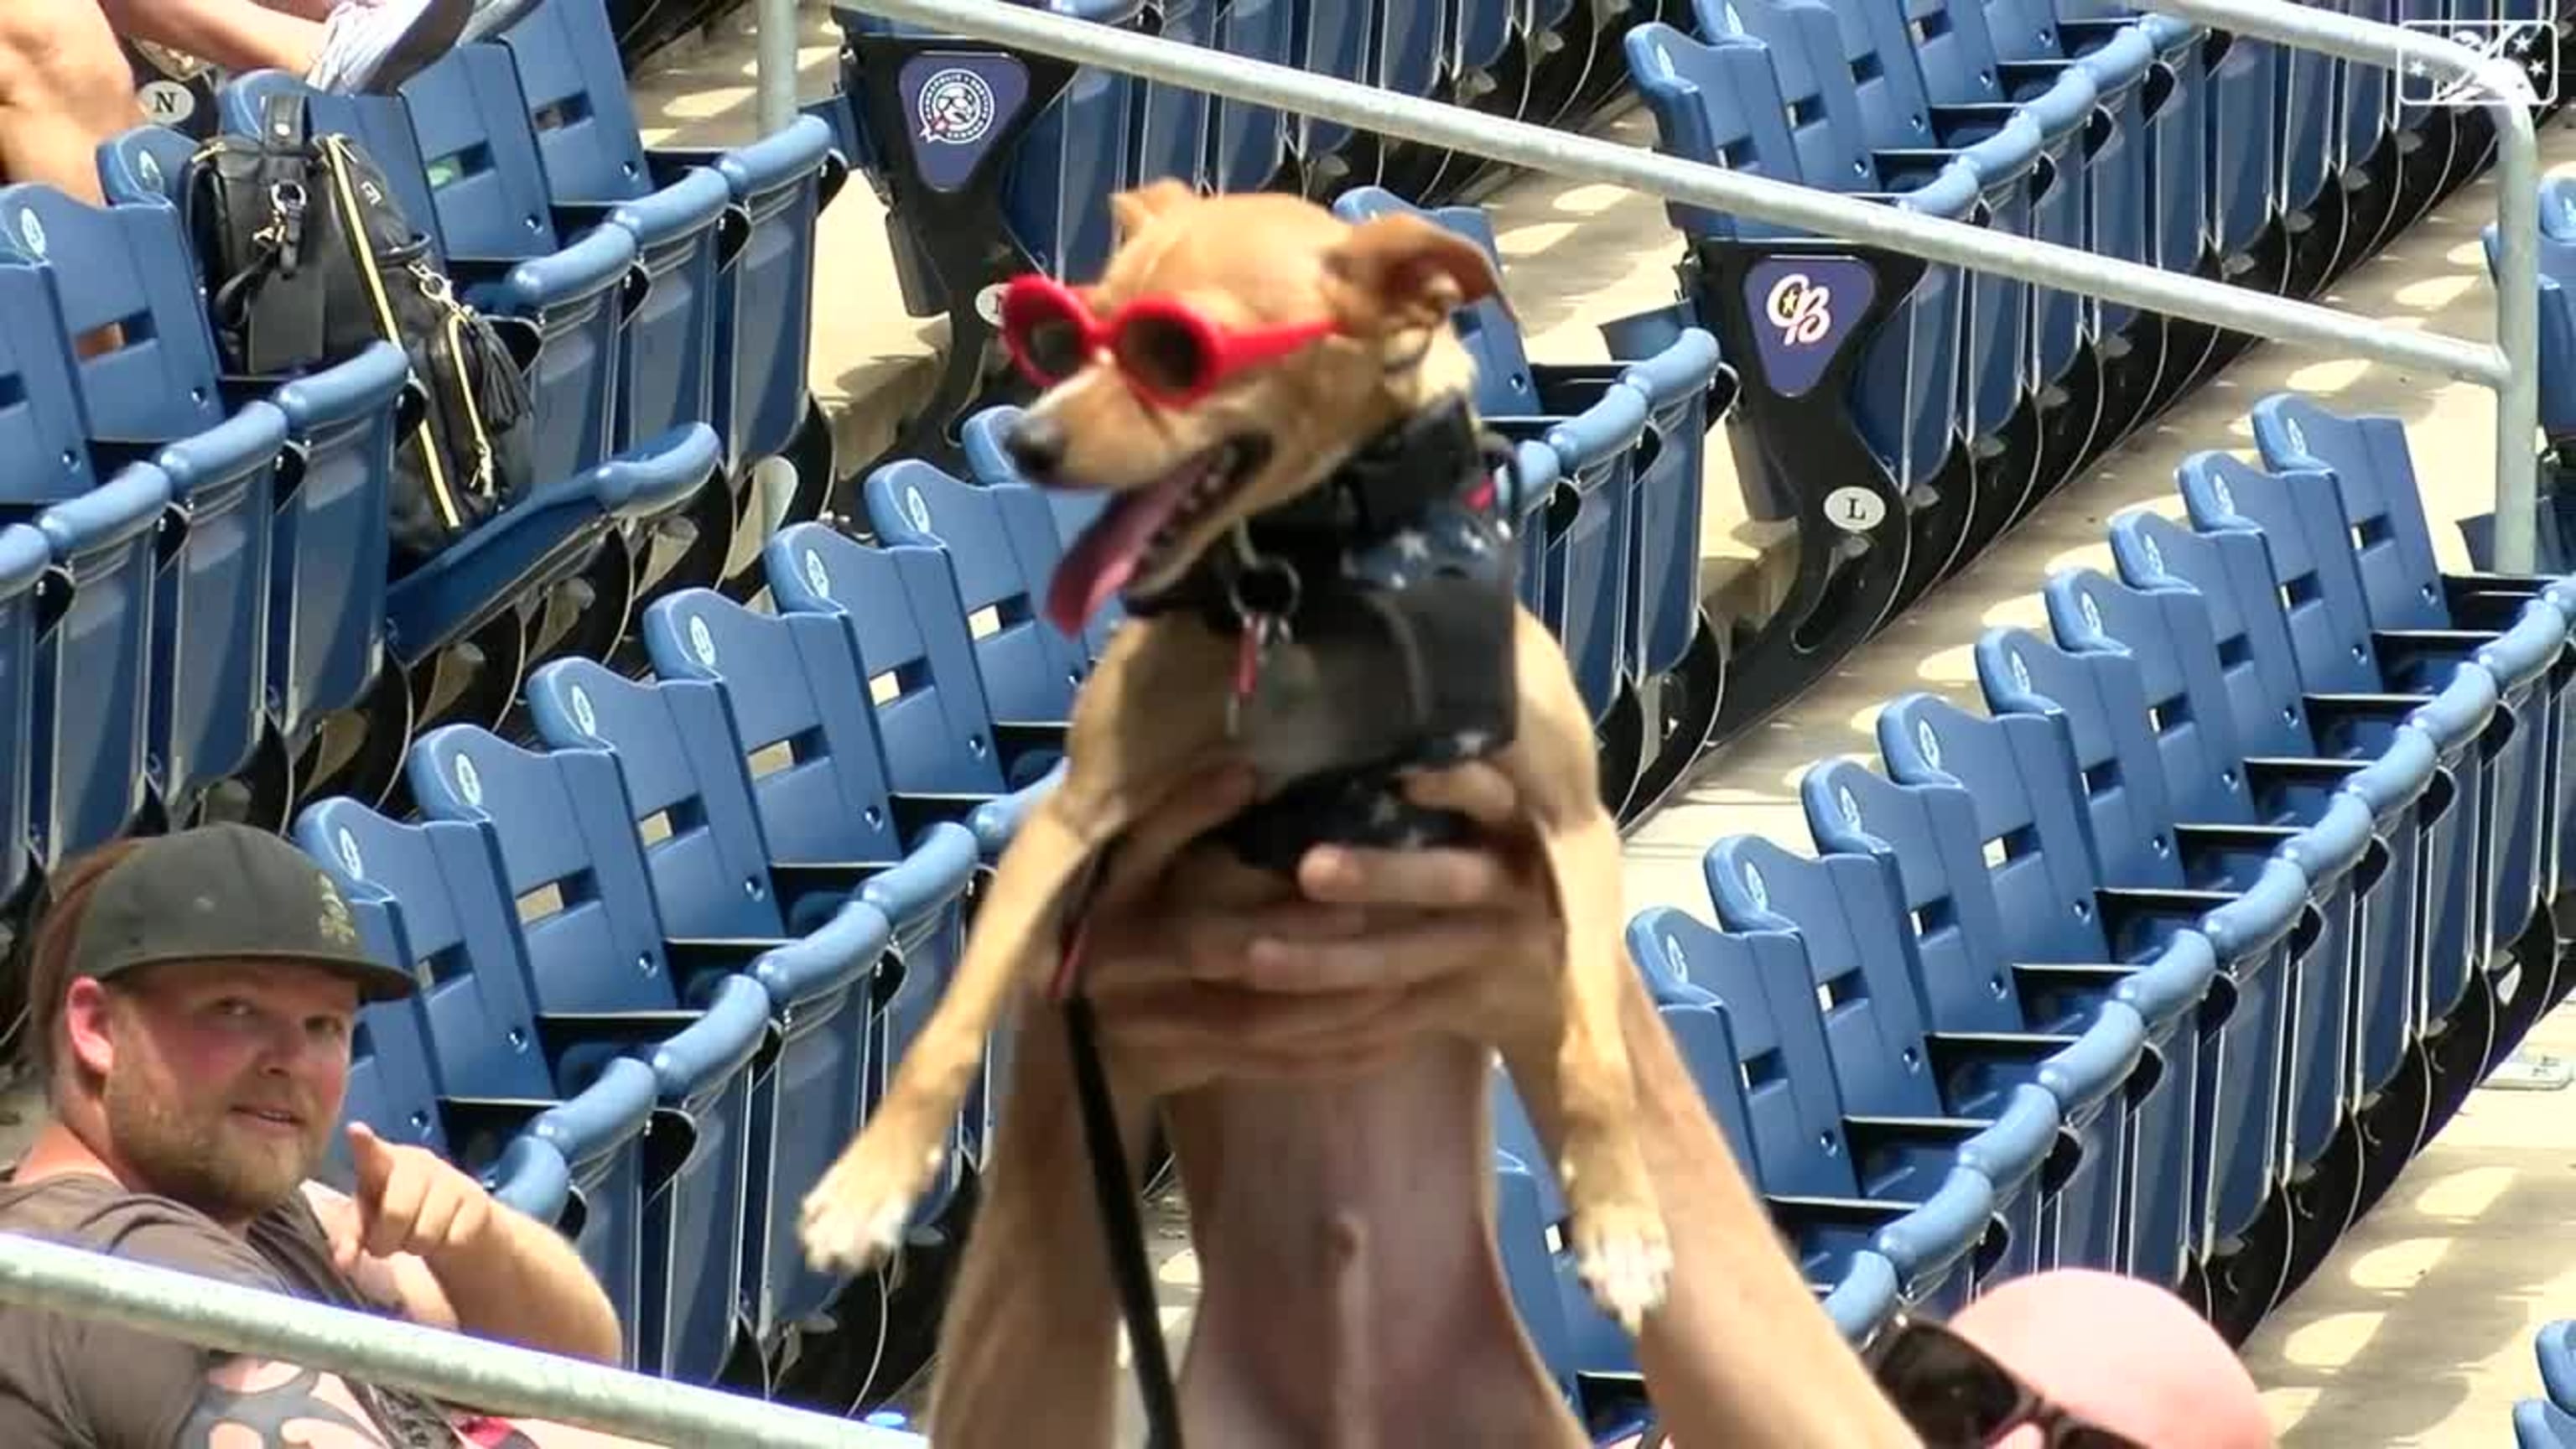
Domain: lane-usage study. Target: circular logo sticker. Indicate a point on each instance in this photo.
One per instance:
(2297, 435)
(956, 108)
(469, 781)
(2020, 672)
(1675, 961)
(168, 103)
(349, 859)
(1928, 743)
(988, 303)
(917, 509)
(1756, 887)
(702, 643)
(32, 232)
(582, 714)
(2155, 554)
(1855, 510)
(817, 577)
(2226, 496)
(1849, 805)
(2092, 612)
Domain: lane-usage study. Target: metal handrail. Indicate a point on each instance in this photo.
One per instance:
(2508, 367)
(493, 1377)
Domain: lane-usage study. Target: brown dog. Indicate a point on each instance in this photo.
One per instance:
(1348, 1227)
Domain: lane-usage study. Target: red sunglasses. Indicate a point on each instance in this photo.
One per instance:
(1171, 353)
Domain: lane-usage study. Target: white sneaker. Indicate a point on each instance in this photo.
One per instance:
(373, 46)
(491, 17)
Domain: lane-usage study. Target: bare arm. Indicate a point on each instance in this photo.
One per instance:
(523, 1283)
(429, 1242)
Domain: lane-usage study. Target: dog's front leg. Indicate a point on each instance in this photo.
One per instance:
(856, 1214)
(1622, 1248)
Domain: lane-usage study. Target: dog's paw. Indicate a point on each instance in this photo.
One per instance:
(854, 1218)
(1625, 1260)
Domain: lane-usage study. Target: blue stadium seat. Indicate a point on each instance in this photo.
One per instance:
(1001, 541)
(560, 826)
(987, 459)
(2312, 568)
(91, 723)
(1908, 1188)
(2055, 883)
(2555, 1347)
(434, 899)
(327, 554)
(480, 135)
(1849, 399)
(2411, 603)
(26, 557)
(1248, 144)
(799, 704)
(2143, 837)
(1963, 76)
(758, 287)
(158, 395)
(1843, 90)
(2540, 1424)
(947, 747)
(2277, 714)
(2196, 726)
(2045, 1127)
(2309, 204)
(719, 888)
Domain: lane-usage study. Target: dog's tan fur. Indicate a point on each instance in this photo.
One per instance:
(1352, 1295)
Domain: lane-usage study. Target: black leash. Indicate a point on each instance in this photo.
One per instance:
(1126, 1227)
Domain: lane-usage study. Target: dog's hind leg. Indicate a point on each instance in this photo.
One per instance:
(1028, 1340)
(856, 1214)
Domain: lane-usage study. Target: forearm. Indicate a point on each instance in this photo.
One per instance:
(1741, 1354)
(522, 1283)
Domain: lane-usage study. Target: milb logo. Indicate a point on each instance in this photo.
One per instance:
(2530, 46)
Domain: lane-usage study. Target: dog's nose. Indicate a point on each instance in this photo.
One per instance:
(1036, 446)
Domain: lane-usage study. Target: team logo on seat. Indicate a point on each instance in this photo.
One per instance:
(956, 108)
(1801, 308)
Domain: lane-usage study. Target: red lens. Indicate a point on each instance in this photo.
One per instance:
(1166, 354)
(1044, 328)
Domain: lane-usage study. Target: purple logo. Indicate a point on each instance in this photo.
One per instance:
(954, 106)
(1803, 308)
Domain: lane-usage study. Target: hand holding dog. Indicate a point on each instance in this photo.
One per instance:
(1216, 969)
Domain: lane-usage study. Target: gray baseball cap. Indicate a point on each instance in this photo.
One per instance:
(225, 893)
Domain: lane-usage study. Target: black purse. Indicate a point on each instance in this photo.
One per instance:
(309, 259)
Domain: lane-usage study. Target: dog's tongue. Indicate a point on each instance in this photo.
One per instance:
(1102, 561)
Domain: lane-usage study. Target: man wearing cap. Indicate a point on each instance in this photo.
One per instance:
(192, 998)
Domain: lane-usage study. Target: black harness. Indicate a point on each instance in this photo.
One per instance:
(1396, 576)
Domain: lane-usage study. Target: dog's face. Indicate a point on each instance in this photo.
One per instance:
(1234, 352)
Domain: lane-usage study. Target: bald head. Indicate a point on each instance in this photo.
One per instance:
(2123, 1353)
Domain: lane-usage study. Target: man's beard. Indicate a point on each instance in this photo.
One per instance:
(201, 1156)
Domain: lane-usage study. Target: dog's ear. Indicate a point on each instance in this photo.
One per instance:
(1131, 210)
(1401, 271)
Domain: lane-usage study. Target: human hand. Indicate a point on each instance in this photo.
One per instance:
(1202, 967)
(408, 1200)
